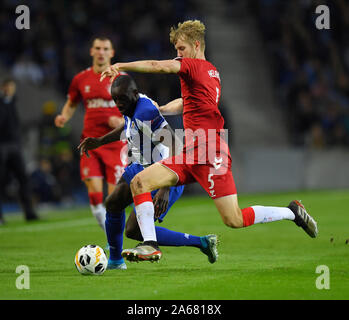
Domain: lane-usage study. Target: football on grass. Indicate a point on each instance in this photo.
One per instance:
(91, 259)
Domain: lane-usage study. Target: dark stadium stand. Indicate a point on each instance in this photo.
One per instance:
(310, 68)
(56, 47)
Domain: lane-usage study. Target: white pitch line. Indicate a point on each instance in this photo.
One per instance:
(50, 226)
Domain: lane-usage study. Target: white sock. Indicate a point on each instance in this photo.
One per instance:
(270, 214)
(145, 218)
(99, 212)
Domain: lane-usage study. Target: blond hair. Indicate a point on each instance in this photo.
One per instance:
(190, 31)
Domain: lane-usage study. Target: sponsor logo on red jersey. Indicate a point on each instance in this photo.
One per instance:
(100, 103)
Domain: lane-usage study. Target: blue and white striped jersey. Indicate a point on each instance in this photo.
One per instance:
(139, 132)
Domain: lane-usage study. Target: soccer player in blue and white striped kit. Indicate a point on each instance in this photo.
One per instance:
(147, 133)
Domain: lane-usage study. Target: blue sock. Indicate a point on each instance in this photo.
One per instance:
(166, 237)
(114, 227)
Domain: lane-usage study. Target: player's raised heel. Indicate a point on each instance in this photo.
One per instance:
(210, 247)
(303, 219)
(142, 252)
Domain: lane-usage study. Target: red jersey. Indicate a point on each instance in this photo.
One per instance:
(201, 90)
(98, 103)
(208, 162)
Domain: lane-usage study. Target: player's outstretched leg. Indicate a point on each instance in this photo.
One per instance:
(166, 237)
(207, 244)
(235, 217)
(303, 219)
(149, 251)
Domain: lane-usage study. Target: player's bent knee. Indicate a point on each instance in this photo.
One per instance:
(233, 220)
(108, 203)
(137, 185)
(112, 206)
(233, 223)
(230, 212)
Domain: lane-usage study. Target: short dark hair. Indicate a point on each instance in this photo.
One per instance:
(124, 81)
(102, 38)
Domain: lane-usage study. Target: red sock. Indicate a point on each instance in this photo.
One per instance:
(145, 215)
(95, 198)
(248, 216)
(143, 197)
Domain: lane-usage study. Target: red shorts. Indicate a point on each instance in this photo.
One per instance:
(106, 162)
(214, 175)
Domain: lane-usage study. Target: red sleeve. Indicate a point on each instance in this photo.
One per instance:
(73, 91)
(186, 67)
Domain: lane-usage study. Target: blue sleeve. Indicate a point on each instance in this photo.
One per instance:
(158, 120)
(148, 112)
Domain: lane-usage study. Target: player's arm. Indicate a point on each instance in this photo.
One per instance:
(115, 121)
(149, 66)
(93, 143)
(143, 66)
(172, 108)
(66, 114)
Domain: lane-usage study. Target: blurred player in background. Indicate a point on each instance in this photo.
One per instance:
(101, 116)
(11, 158)
(207, 159)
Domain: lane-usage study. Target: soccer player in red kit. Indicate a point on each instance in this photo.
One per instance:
(205, 157)
(101, 116)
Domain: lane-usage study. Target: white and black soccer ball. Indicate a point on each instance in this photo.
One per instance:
(91, 259)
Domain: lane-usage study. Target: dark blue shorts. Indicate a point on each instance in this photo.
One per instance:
(175, 192)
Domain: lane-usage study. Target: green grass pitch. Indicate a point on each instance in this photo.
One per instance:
(266, 261)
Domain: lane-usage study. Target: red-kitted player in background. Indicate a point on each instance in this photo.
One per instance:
(101, 116)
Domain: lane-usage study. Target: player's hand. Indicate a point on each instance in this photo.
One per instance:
(60, 121)
(115, 121)
(88, 144)
(160, 201)
(111, 72)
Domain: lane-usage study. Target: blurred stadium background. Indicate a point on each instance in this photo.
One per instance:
(285, 85)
